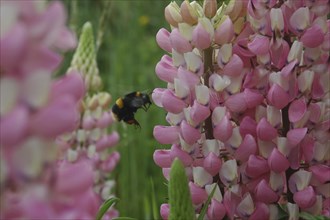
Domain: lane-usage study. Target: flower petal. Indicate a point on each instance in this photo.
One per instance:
(295, 136)
(163, 40)
(277, 161)
(198, 194)
(265, 130)
(313, 37)
(166, 134)
(212, 163)
(305, 198)
(297, 110)
(277, 96)
(163, 158)
(265, 194)
(247, 148)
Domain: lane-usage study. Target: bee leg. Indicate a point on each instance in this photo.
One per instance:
(132, 121)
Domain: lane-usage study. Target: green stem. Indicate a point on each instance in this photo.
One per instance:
(286, 128)
(208, 69)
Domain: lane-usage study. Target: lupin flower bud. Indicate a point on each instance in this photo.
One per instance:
(210, 8)
(188, 12)
(86, 51)
(172, 14)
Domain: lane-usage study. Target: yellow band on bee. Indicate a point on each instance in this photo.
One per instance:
(120, 103)
(138, 93)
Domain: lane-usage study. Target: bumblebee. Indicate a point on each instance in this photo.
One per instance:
(125, 108)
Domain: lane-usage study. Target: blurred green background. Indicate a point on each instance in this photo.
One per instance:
(127, 58)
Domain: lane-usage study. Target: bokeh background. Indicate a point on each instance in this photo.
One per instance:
(127, 56)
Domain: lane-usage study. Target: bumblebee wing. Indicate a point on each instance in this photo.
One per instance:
(135, 102)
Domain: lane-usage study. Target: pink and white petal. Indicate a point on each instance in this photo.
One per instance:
(166, 134)
(277, 161)
(189, 133)
(40, 58)
(265, 131)
(236, 102)
(259, 45)
(9, 95)
(300, 19)
(71, 84)
(163, 158)
(299, 180)
(287, 70)
(229, 172)
(177, 152)
(178, 42)
(297, 109)
(163, 40)
(200, 37)
(12, 47)
(313, 37)
(216, 210)
(261, 211)
(223, 130)
(66, 40)
(307, 147)
(321, 173)
(234, 67)
(256, 166)
(246, 206)
(317, 88)
(252, 98)
(73, 178)
(107, 141)
(59, 117)
(201, 176)
(315, 109)
(171, 103)
(224, 33)
(199, 112)
(248, 126)
(305, 198)
(157, 95)
(295, 136)
(198, 194)
(165, 70)
(165, 211)
(14, 127)
(212, 163)
(248, 147)
(277, 96)
(265, 194)
(189, 78)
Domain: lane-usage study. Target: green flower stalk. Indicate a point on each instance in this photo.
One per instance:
(179, 194)
(84, 59)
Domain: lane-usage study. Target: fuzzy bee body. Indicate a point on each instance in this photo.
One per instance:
(125, 108)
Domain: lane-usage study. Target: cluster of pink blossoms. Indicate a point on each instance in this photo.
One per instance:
(90, 140)
(35, 109)
(248, 105)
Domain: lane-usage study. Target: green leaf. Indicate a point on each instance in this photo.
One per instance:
(308, 216)
(124, 218)
(282, 212)
(181, 207)
(204, 209)
(105, 207)
(153, 201)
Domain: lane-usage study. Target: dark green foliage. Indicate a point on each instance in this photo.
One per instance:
(181, 207)
(105, 207)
